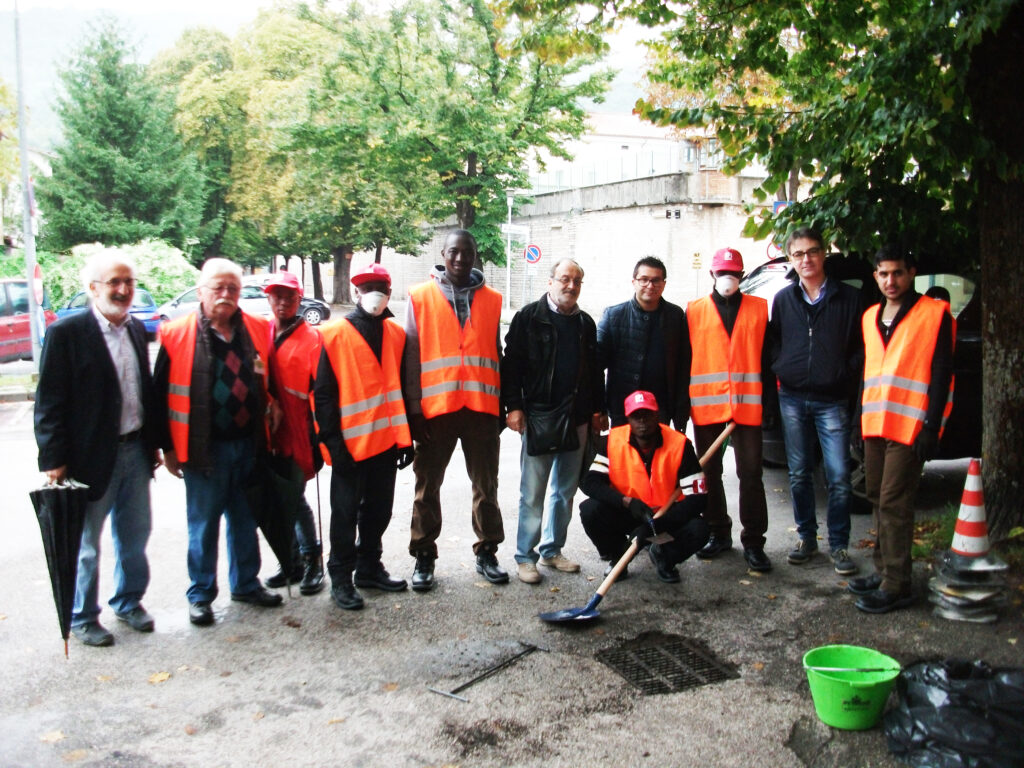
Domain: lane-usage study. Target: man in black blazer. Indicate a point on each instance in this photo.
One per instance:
(94, 423)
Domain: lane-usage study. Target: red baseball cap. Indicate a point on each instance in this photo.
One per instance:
(372, 273)
(727, 260)
(641, 400)
(283, 280)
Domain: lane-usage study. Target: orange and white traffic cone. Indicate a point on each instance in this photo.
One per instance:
(970, 548)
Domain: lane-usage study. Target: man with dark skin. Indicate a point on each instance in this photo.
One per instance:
(646, 461)
(452, 389)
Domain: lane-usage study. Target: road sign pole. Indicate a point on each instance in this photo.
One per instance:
(509, 197)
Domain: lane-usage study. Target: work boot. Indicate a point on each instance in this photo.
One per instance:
(280, 579)
(423, 573)
(666, 571)
(864, 584)
(379, 578)
(346, 596)
(717, 544)
(487, 566)
(756, 559)
(312, 575)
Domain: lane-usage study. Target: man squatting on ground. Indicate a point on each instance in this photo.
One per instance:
(363, 427)
(452, 392)
(646, 461)
(907, 396)
(95, 423)
(550, 365)
(294, 356)
(211, 398)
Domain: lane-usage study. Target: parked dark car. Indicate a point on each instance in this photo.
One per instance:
(962, 435)
(252, 300)
(15, 331)
(143, 307)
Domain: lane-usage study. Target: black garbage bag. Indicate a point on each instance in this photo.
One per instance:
(958, 714)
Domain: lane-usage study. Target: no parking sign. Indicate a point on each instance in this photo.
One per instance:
(532, 254)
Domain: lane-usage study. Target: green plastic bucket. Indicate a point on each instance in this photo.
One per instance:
(850, 699)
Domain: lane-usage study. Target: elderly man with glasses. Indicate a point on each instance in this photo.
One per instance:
(552, 389)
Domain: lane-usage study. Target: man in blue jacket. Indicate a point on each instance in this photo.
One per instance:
(817, 354)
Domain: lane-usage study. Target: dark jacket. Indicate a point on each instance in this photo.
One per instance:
(78, 400)
(818, 351)
(528, 362)
(623, 340)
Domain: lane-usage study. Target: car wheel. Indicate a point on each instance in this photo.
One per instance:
(313, 316)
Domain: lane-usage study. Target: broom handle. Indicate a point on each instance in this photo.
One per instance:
(630, 553)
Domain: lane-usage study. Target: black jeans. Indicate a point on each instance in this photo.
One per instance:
(361, 500)
(610, 528)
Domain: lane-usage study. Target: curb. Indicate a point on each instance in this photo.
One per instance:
(16, 394)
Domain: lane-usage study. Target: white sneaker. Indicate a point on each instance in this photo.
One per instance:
(528, 573)
(560, 562)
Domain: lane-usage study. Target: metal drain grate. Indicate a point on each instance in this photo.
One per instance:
(658, 663)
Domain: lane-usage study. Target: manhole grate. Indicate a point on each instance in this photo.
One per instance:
(657, 663)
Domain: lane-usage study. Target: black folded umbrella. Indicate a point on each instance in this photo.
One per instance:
(60, 510)
(273, 492)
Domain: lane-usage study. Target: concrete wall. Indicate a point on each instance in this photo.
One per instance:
(680, 218)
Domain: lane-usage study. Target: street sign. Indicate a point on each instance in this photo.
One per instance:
(532, 253)
(516, 230)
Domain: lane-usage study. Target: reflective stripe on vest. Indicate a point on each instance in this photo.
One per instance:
(725, 376)
(897, 375)
(369, 392)
(458, 366)
(178, 337)
(627, 473)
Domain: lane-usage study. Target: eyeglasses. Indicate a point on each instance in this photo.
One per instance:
(811, 253)
(645, 281)
(118, 282)
(568, 280)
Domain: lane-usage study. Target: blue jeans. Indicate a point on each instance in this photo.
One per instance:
(126, 500)
(207, 497)
(561, 473)
(804, 420)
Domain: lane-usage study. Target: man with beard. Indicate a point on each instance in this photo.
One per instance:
(95, 423)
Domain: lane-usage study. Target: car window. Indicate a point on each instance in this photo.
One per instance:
(5, 307)
(80, 300)
(189, 297)
(960, 289)
(253, 292)
(19, 297)
(767, 274)
(142, 298)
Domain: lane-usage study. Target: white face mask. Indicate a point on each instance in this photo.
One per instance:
(373, 303)
(727, 285)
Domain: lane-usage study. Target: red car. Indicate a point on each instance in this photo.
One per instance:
(15, 332)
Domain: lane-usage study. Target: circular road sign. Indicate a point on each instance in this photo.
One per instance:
(532, 254)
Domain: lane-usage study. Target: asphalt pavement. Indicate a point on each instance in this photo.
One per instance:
(308, 684)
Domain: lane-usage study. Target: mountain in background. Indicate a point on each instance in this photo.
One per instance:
(50, 36)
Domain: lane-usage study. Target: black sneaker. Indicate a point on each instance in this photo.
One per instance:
(622, 576)
(842, 563)
(802, 552)
(487, 566)
(423, 574)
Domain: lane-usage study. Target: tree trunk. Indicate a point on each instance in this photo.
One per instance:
(998, 101)
(794, 184)
(318, 282)
(377, 253)
(342, 269)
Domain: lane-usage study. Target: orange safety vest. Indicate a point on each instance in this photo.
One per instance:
(292, 367)
(370, 392)
(626, 469)
(458, 366)
(897, 375)
(178, 337)
(725, 376)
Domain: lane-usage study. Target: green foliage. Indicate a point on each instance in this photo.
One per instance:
(162, 269)
(119, 176)
(868, 101)
(10, 160)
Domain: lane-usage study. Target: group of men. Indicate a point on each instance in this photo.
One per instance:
(229, 388)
